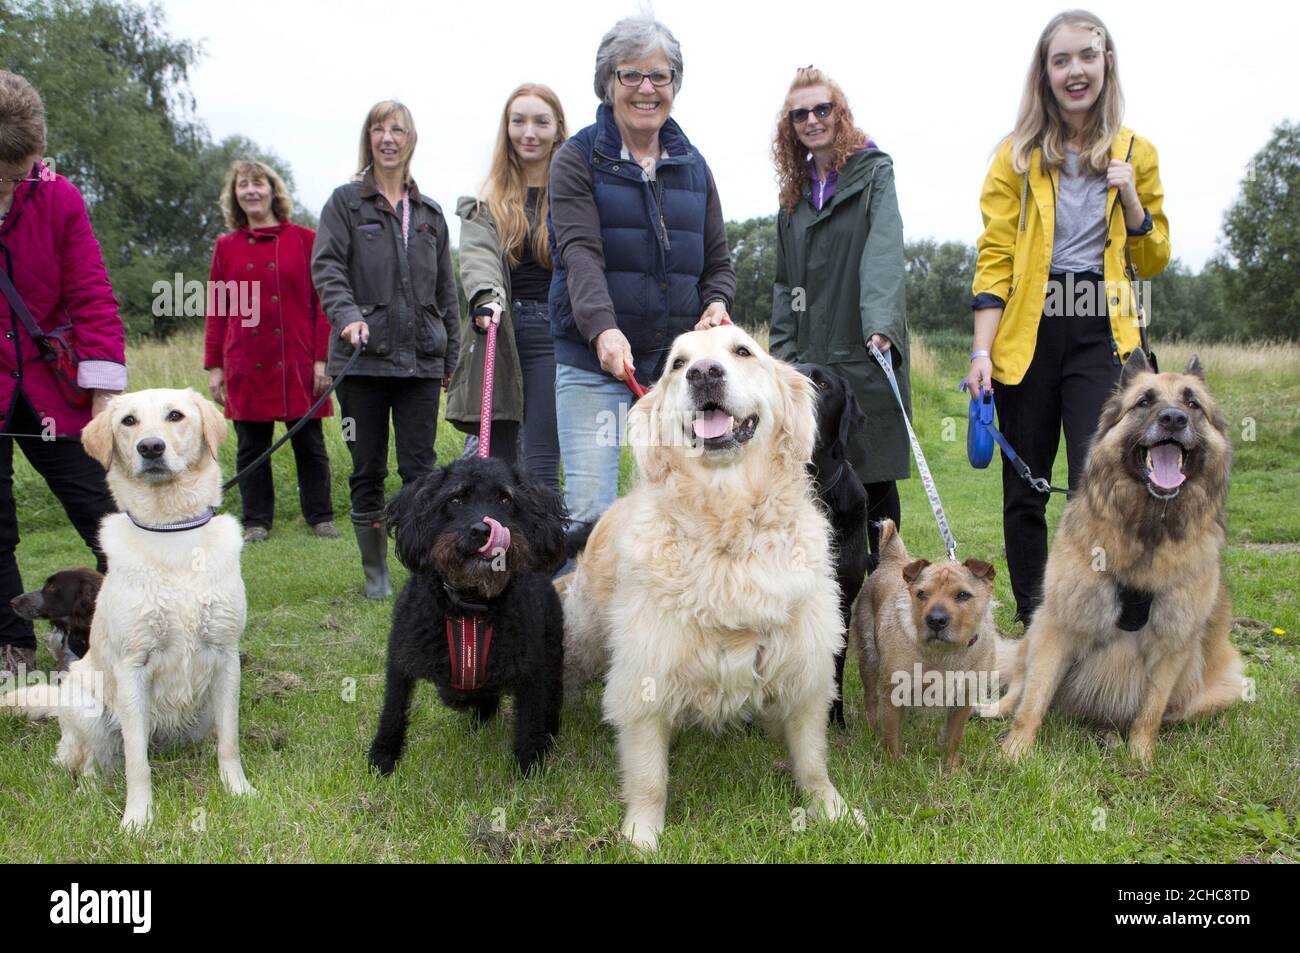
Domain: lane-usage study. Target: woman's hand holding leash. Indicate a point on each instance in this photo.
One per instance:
(356, 332)
(980, 378)
(485, 314)
(615, 353)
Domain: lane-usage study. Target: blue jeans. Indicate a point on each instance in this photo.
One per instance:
(591, 411)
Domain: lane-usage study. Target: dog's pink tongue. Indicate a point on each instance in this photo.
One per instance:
(1166, 466)
(711, 423)
(498, 537)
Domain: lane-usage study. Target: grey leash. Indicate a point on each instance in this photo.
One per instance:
(931, 491)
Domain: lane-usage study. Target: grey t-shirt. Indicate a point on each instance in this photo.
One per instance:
(1079, 239)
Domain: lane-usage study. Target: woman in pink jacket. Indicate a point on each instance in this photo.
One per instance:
(267, 343)
(56, 272)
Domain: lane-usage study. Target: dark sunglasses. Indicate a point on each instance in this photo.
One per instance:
(821, 111)
(634, 77)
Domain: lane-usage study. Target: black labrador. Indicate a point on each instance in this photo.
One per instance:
(841, 492)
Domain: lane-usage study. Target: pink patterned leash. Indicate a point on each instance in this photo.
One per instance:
(489, 374)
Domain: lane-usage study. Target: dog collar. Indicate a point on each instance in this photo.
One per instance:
(462, 604)
(180, 526)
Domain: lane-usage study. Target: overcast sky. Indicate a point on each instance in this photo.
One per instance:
(935, 83)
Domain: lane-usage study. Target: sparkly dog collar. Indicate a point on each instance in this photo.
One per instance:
(194, 522)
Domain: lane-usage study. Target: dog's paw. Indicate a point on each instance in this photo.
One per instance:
(136, 819)
(642, 836)
(383, 761)
(240, 787)
(1141, 749)
(1017, 745)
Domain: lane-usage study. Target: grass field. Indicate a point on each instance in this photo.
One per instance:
(1224, 790)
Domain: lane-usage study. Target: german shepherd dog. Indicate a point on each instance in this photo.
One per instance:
(1135, 618)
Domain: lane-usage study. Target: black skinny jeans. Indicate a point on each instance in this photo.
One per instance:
(75, 479)
(366, 404)
(1073, 371)
(257, 490)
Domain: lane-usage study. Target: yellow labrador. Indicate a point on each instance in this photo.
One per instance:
(708, 592)
(163, 663)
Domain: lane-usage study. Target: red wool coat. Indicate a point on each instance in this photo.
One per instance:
(267, 361)
(55, 263)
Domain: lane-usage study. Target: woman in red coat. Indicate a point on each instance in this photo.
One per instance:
(266, 343)
(54, 265)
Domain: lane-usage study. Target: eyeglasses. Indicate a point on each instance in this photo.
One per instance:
(634, 77)
(44, 173)
(821, 111)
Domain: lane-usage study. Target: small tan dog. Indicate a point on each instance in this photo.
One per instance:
(924, 637)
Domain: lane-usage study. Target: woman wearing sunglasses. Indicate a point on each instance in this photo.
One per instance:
(839, 274)
(641, 252)
(56, 280)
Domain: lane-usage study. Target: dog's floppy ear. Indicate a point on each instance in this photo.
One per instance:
(798, 434)
(212, 422)
(914, 569)
(653, 458)
(1135, 365)
(852, 417)
(980, 569)
(412, 529)
(548, 516)
(97, 436)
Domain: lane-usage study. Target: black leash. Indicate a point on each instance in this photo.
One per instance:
(266, 454)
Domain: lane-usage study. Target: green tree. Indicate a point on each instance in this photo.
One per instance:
(753, 255)
(939, 277)
(1262, 229)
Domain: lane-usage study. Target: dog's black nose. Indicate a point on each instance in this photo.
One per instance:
(937, 620)
(1172, 419)
(151, 448)
(478, 534)
(705, 370)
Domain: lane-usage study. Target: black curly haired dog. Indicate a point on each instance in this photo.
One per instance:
(841, 492)
(479, 617)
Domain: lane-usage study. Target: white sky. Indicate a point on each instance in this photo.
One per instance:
(936, 83)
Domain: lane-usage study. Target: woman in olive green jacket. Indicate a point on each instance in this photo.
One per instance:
(840, 275)
(505, 269)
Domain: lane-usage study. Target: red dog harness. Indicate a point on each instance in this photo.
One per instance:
(469, 639)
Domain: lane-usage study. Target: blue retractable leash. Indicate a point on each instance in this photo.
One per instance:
(981, 433)
(931, 491)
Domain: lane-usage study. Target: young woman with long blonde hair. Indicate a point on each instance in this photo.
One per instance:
(1072, 197)
(505, 269)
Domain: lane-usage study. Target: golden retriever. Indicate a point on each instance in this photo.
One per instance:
(163, 663)
(707, 593)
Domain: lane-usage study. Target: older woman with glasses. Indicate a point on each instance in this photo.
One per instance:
(640, 253)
